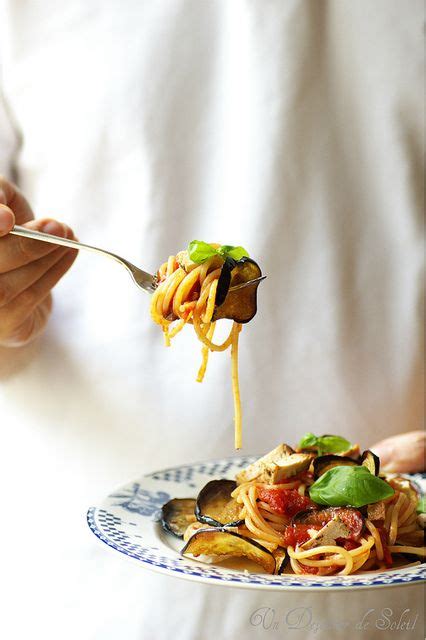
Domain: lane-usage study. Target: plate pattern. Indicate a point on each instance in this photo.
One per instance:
(127, 522)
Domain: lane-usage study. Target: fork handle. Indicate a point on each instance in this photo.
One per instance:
(51, 239)
(65, 242)
(141, 278)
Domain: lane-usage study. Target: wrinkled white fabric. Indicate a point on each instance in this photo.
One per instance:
(290, 127)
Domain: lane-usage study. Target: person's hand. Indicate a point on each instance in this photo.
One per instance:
(28, 269)
(404, 453)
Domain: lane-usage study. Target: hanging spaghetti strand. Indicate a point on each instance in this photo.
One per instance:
(190, 298)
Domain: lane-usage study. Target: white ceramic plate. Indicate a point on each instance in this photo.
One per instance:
(128, 522)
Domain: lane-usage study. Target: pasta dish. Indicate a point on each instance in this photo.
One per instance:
(320, 509)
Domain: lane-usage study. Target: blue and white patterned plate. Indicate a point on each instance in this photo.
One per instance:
(128, 522)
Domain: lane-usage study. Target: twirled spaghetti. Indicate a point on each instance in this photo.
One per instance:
(189, 296)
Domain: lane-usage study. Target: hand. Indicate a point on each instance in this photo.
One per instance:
(404, 453)
(29, 269)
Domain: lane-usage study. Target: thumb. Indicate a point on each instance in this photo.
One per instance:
(7, 219)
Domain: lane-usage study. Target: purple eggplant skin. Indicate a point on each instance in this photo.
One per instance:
(411, 557)
(371, 461)
(211, 502)
(173, 515)
(323, 463)
(217, 542)
(224, 281)
(240, 305)
(281, 564)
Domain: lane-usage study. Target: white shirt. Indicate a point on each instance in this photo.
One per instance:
(292, 128)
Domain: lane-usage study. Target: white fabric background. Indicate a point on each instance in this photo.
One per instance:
(291, 127)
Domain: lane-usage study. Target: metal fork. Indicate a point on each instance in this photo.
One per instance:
(142, 279)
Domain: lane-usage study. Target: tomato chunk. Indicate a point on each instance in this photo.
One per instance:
(306, 569)
(347, 544)
(285, 501)
(297, 534)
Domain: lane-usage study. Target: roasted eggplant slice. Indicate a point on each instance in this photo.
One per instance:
(351, 517)
(239, 305)
(371, 461)
(222, 542)
(176, 515)
(282, 560)
(215, 506)
(324, 463)
(224, 281)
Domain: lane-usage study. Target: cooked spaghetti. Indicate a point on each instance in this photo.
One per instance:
(187, 294)
(371, 551)
(273, 511)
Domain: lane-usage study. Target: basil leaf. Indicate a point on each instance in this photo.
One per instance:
(333, 444)
(421, 505)
(349, 487)
(325, 444)
(308, 440)
(200, 251)
(236, 253)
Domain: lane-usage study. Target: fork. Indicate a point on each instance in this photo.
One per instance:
(141, 278)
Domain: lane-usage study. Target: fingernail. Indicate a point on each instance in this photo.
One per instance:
(54, 228)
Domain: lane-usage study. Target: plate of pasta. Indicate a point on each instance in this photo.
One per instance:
(321, 515)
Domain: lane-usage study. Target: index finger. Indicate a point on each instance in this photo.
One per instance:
(16, 251)
(11, 196)
(7, 220)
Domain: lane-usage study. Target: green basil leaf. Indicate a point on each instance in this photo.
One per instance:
(333, 444)
(349, 487)
(325, 444)
(200, 251)
(236, 253)
(308, 440)
(421, 505)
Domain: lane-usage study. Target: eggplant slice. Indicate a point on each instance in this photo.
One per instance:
(371, 461)
(324, 463)
(222, 542)
(176, 515)
(215, 506)
(239, 305)
(282, 560)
